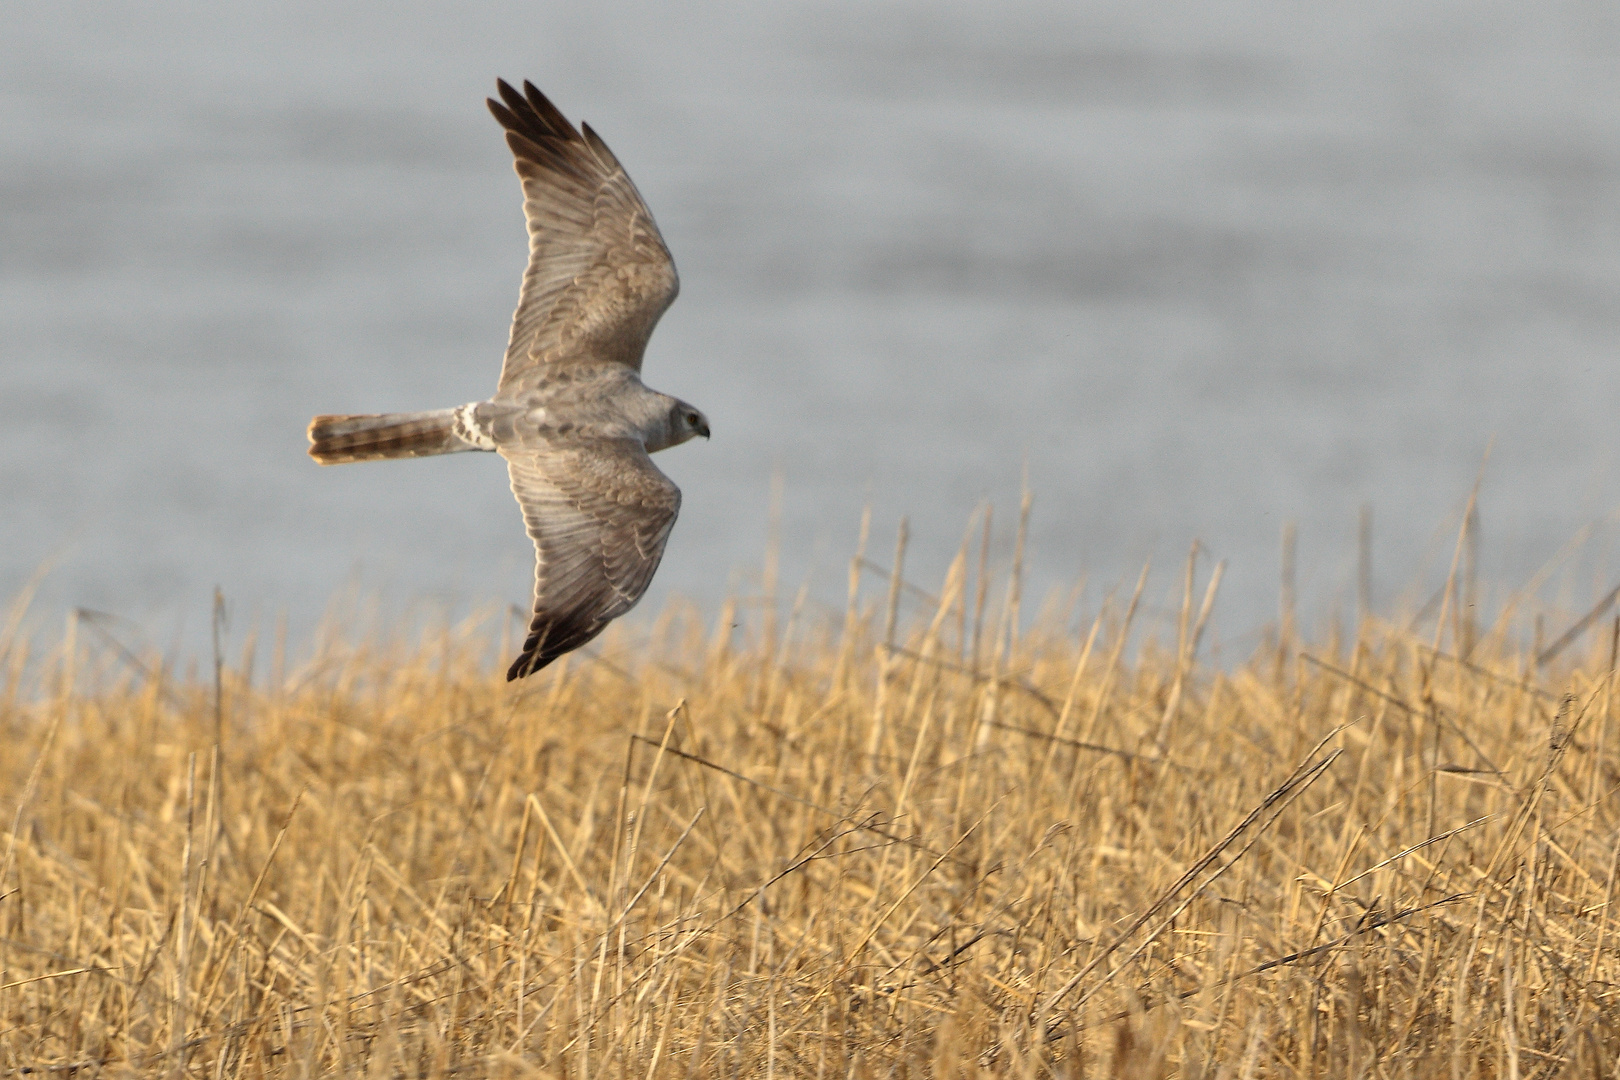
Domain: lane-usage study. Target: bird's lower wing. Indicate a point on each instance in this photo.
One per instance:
(599, 513)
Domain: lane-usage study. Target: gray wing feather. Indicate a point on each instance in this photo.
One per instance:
(599, 275)
(599, 513)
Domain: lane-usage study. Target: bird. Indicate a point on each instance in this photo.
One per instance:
(570, 414)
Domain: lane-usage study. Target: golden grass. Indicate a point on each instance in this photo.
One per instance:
(795, 852)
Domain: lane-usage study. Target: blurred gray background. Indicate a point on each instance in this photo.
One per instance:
(1203, 268)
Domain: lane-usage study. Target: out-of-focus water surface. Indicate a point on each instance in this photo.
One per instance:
(1202, 268)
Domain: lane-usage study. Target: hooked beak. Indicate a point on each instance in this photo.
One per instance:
(703, 429)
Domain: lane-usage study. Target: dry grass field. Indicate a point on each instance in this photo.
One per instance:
(905, 841)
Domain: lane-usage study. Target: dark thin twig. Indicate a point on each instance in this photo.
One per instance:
(885, 573)
(1014, 681)
(1307, 772)
(907, 840)
(1094, 747)
(1510, 680)
(1291, 958)
(1408, 708)
(1581, 626)
(93, 619)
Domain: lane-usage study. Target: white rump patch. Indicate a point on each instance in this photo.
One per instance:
(467, 428)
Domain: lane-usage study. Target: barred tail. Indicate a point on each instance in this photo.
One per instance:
(336, 439)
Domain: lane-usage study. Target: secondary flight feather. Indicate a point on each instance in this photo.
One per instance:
(570, 414)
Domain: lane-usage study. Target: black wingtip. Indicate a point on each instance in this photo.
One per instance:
(509, 94)
(521, 668)
(534, 655)
(501, 113)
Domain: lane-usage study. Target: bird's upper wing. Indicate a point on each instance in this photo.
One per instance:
(599, 512)
(599, 274)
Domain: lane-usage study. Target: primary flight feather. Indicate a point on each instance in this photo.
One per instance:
(570, 414)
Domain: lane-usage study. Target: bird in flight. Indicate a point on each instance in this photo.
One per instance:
(570, 414)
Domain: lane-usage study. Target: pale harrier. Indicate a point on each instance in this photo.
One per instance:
(570, 416)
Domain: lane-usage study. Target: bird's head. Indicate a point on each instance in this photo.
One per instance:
(686, 422)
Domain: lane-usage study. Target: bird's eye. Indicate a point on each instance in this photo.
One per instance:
(692, 418)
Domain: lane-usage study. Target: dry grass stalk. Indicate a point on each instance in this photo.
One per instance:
(688, 859)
